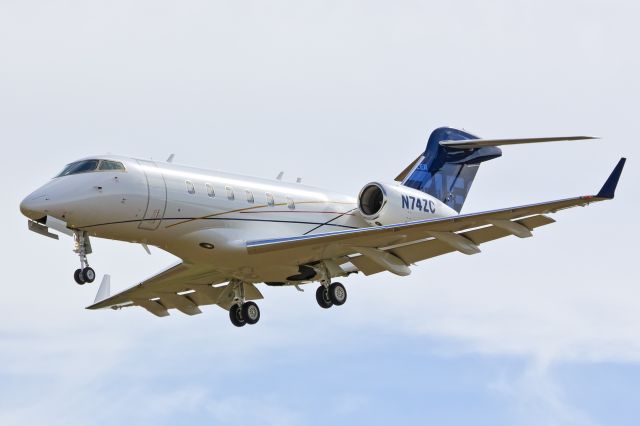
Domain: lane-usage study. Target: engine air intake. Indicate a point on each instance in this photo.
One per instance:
(371, 200)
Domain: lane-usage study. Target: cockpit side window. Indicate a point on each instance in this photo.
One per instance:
(111, 165)
(79, 167)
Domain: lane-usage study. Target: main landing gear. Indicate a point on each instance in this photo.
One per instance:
(329, 295)
(242, 312)
(247, 313)
(82, 246)
(84, 275)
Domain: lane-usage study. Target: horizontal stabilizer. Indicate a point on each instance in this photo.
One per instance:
(478, 143)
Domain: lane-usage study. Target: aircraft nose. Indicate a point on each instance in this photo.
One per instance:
(33, 206)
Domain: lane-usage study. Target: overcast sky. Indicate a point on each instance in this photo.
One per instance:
(543, 331)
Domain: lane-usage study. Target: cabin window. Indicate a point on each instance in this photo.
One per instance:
(290, 203)
(108, 165)
(210, 191)
(230, 194)
(250, 198)
(270, 200)
(190, 188)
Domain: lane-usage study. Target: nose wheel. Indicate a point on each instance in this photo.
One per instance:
(82, 246)
(330, 295)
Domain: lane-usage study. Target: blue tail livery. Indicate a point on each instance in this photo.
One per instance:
(447, 173)
(449, 164)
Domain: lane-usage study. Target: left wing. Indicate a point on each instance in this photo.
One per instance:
(393, 247)
(183, 286)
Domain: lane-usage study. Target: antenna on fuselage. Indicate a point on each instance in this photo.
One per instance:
(299, 180)
(170, 159)
(279, 177)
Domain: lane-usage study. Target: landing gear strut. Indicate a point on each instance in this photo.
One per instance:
(82, 246)
(242, 312)
(329, 295)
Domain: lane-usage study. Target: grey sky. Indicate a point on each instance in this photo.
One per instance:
(340, 93)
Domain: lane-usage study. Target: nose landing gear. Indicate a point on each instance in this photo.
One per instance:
(82, 247)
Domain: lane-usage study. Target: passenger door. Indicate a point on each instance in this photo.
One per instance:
(157, 196)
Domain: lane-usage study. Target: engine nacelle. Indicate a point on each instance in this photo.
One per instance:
(386, 204)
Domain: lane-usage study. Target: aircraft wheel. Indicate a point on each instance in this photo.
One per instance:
(77, 275)
(337, 294)
(322, 297)
(235, 315)
(250, 313)
(88, 275)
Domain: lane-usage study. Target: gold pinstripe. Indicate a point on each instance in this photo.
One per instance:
(254, 208)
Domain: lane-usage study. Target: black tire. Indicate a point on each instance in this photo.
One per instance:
(322, 297)
(250, 313)
(88, 275)
(77, 275)
(337, 294)
(235, 315)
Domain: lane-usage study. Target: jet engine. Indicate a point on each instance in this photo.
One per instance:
(389, 203)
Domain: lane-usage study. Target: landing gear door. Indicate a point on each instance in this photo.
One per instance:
(157, 196)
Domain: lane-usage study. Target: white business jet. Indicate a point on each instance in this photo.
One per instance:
(233, 232)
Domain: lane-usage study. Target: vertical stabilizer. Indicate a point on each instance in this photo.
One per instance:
(447, 173)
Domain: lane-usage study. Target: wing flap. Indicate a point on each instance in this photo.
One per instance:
(426, 249)
(418, 252)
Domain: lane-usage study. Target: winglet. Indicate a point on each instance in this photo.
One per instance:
(609, 188)
(105, 289)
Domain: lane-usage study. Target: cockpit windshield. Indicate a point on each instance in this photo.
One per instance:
(86, 166)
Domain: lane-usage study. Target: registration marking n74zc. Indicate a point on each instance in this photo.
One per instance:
(420, 204)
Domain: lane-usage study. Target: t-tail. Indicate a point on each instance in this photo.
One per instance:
(448, 166)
